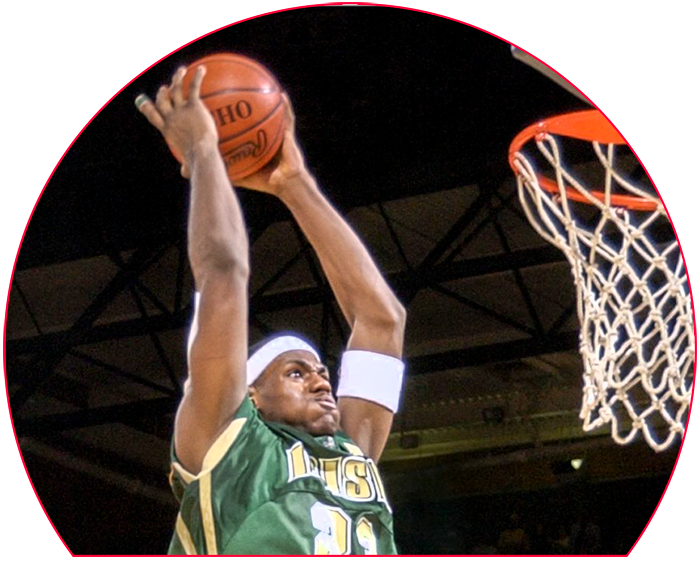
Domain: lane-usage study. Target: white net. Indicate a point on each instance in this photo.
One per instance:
(637, 337)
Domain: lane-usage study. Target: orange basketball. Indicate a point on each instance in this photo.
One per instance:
(245, 100)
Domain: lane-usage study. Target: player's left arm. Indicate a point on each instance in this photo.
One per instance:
(376, 317)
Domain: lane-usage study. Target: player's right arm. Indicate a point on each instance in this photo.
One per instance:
(375, 315)
(218, 255)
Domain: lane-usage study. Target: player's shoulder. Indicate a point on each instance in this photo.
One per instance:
(245, 436)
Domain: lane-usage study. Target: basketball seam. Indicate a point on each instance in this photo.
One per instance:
(277, 135)
(254, 66)
(259, 69)
(243, 171)
(234, 90)
(259, 123)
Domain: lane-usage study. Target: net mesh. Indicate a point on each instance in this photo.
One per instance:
(633, 300)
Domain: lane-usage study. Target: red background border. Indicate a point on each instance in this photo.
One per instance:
(635, 72)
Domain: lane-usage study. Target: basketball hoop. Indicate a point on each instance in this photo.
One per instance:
(637, 337)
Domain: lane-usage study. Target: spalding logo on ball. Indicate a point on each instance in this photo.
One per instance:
(245, 100)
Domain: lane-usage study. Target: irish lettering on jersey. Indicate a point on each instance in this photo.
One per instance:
(354, 478)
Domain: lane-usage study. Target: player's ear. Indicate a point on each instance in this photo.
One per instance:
(253, 393)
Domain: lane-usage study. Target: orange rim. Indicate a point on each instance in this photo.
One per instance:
(631, 202)
(590, 125)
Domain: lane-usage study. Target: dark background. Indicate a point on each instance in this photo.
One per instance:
(396, 111)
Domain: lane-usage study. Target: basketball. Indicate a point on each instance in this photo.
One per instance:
(245, 100)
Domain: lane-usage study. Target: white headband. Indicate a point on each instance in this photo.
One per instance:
(261, 358)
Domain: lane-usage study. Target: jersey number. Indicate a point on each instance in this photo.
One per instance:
(334, 528)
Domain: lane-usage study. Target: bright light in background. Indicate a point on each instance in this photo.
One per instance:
(576, 463)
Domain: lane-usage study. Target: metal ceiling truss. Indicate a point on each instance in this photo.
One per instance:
(403, 281)
(40, 368)
(439, 266)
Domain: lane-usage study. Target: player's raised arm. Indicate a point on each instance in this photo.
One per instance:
(370, 381)
(218, 254)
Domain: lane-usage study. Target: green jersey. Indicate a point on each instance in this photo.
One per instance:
(267, 488)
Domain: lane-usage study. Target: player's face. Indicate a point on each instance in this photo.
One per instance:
(295, 389)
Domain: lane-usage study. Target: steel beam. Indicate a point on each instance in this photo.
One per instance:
(122, 413)
(417, 279)
(460, 358)
(497, 352)
(48, 356)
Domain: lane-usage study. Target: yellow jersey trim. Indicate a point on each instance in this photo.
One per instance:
(183, 534)
(221, 445)
(207, 511)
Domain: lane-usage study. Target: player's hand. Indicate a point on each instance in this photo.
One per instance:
(186, 124)
(285, 167)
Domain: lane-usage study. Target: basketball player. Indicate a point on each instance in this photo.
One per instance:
(265, 461)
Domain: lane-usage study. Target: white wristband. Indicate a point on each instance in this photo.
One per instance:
(371, 376)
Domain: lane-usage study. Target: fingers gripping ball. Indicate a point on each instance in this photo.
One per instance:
(246, 102)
